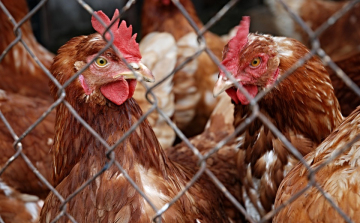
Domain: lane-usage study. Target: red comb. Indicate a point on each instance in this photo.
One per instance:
(123, 39)
(235, 45)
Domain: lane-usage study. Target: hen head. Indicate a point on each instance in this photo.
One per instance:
(108, 76)
(253, 62)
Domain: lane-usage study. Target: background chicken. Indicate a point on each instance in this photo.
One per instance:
(223, 162)
(193, 84)
(339, 179)
(340, 40)
(36, 145)
(303, 107)
(19, 73)
(159, 52)
(348, 99)
(16, 207)
(102, 97)
(24, 98)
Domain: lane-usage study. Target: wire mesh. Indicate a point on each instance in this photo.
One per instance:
(202, 158)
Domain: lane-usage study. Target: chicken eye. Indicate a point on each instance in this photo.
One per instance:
(101, 61)
(255, 62)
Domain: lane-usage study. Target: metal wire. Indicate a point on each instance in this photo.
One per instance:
(201, 158)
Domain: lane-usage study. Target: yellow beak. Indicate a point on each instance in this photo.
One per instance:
(221, 85)
(141, 72)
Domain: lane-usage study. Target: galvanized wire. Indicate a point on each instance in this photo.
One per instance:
(201, 158)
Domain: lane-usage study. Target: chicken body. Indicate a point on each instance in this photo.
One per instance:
(79, 156)
(192, 84)
(19, 72)
(24, 97)
(16, 207)
(339, 179)
(339, 41)
(303, 107)
(159, 53)
(348, 99)
(223, 162)
(36, 145)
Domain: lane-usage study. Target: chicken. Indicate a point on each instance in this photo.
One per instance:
(159, 54)
(21, 112)
(339, 179)
(193, 84)
(102, 96)
(303, 107)
(164, 16)
(19, 73)
(24, 97)
(223, 162)
(16, 207)
(348, 99)
(340, 40)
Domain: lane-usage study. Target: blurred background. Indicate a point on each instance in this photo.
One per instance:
(53, 25)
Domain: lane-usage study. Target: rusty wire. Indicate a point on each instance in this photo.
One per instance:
(315, 50)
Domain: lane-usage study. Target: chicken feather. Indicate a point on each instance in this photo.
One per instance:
(25, 97)
(339, 41)
(339, 179)
(159, 52)
(19, 72)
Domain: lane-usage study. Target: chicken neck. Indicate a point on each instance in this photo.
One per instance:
(110, 122)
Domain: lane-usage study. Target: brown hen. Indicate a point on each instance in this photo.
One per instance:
(21, 112)
(340, 40)
(223, 162)
(16, 207)
(25, 96)
(303, 107)
(19, 72)
(102, 96)
(193, 84)
(348, 99)
(159, 52)
(339, 179)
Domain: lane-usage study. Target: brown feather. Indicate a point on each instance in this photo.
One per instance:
(22, 80)
(19, 72)
(348, 99)
(340, 40)
(16, 207)
(222, 163)
(21, 112)
(156, 16)
(339, 178)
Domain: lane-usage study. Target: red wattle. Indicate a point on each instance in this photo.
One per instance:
(238, 97)
(232, 93)
(119, 91)
(132, 85)
(251, 89)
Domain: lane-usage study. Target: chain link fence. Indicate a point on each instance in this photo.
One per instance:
(202, 158)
